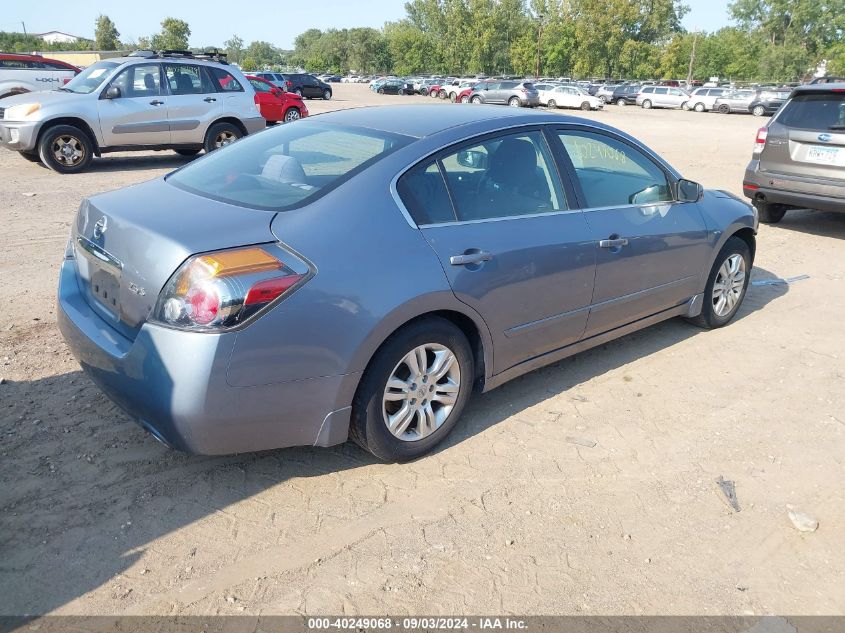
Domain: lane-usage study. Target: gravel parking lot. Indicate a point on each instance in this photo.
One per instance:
(513, 514)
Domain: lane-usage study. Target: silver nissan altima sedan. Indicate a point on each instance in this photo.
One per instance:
(360, 273)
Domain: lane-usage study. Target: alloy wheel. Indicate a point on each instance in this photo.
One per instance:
(68, 150)
(224, 138)
(292, 115)
(421, 392)
(729, 285)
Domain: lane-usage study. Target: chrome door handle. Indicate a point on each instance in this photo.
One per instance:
(470, 258)
(156, 102)
(209, 99)
(617, 243)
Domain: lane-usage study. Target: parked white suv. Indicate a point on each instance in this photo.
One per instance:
(145, 101)
(32, 73)
(704, 99)
(662, 97)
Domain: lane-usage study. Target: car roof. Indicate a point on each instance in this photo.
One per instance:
(426, 120)
(169, 60)
(815, 89)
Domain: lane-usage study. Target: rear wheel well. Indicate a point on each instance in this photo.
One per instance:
(466, 325)
(747, 236)
(81, 124)
(236, 122)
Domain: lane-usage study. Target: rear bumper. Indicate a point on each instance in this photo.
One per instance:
(794, 199)
(19, 136)
(758, 186)
(174, 384)
(255, 124)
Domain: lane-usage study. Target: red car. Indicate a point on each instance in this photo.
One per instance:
(274, 103)
(463, 95)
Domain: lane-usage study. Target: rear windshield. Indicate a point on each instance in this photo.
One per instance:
(287, 166)
(815, 112)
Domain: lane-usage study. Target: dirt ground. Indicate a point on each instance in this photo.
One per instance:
(508, 516)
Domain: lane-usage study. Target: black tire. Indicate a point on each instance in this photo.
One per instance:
(453, 97)
(465, 99)
(66, 135)
(327, 94)
(699, 107)
(424, 92)
(758, 110)
(621, 102)
(708, 319)
(368, 428)
(187, 152)
(442, 95)
(476, 100)
(647, 104)
(32, 157)
(586, 106)
(514, 102)
(551, 103)
(221, 134)
(725, 108)
(380, 91)
(770, 213)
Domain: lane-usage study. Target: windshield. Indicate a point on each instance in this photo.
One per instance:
(287, 166)
(91, 78)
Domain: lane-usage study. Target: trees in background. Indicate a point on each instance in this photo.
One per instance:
(106, 35)
(772, 40)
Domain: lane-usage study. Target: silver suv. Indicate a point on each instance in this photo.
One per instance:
(148, 100)
(510, 92)
(662, 97)
(799, 157)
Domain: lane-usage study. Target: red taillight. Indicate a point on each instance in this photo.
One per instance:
(760, 142)
(270, 289)
(65, 80)
(749, 186)
(289, 83)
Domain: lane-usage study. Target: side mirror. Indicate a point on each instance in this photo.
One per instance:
(689, 191)
(472, 158)
(113, 92)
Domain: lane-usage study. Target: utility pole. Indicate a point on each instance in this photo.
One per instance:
(539, 35)
(692, 58)
(24, 29)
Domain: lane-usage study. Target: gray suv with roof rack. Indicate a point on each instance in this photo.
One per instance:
(799, 157)
(177, 100)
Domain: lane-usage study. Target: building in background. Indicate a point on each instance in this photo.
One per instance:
(58, 37)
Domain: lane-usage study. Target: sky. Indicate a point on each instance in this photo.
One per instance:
(277, 21)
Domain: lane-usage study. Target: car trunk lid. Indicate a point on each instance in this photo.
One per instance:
(128, 243)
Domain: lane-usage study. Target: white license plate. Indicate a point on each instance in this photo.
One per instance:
(824, 155)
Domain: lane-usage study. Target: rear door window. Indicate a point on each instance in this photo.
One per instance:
(505, 176)
(815, 112)
(424, 193)
(187, 79)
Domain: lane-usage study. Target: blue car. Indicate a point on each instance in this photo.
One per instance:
(359, 274)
